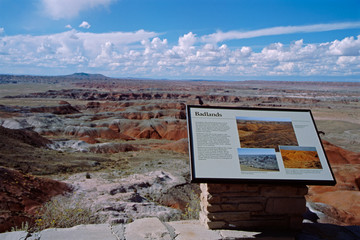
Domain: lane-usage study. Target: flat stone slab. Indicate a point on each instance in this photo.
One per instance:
(13, 235)
(147, 228)
(81, 232)
(230, 234)
(154, 229)
(192, 229)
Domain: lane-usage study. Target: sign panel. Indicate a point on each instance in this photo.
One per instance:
(256, 145)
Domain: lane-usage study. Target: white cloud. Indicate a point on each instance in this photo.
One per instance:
(71, 48)
(68, 26)
(223, 36)
(85, 25)
(187, 41)
(2, 30)
(59, 9)
(144, 54)
(347, 47)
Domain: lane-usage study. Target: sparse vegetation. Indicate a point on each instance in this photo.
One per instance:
(25, 226)
(192, 208)
(61, 212)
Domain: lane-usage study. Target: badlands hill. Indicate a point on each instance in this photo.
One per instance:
(122, 143)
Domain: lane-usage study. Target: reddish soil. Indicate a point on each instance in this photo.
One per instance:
(21, 195)
(180, 146)
(343, 198)
(88, 139)
(337, 155)
(25, 136)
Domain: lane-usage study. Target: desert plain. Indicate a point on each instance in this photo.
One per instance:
(119, 146)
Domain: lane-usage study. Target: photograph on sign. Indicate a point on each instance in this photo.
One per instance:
(255, 145)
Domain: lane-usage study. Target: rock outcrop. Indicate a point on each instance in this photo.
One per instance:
(125, 199)
(340, 203)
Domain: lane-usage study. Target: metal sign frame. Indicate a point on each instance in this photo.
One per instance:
(256, 145)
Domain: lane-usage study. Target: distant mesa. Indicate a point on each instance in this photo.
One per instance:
(14, 79)
(83, 75)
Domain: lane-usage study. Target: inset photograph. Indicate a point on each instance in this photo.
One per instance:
(300, 157)
(265, 132)
(257, 159)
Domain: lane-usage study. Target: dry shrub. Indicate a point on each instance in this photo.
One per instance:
(63, 212)
(192, 208)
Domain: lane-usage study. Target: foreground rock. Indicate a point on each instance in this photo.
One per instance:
(121, 200)
(153, 228)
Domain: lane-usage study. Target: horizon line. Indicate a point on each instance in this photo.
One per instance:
(258, 79)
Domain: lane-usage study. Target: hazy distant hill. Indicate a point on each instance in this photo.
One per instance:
(86, 76)
(8, 78)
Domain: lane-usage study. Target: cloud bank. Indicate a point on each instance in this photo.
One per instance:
(145, 54)
(60, 9)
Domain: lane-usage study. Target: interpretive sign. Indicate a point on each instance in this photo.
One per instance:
(256, 145)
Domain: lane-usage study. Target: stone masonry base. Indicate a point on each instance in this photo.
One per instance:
(252, 206)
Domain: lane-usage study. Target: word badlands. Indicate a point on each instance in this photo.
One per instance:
(206, 114)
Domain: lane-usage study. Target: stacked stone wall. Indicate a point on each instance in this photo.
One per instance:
(252, 206)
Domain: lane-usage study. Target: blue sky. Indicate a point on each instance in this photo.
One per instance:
(198, 39)
(264, 119)
(256, 151)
